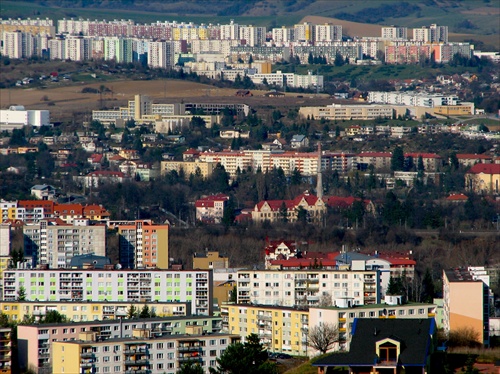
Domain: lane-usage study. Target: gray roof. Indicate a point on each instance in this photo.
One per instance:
(298, 138)
(97, 262)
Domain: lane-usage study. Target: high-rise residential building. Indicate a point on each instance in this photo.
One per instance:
(430, 34)
(394, 33)
(229, 32)
(253, 35)
(18, 44)
(161, 54)
(130, 286)
(5, 350)
(143, 244)
(467, 299)
(304, 32)
(283, 35)
(141, 353)
(53, 244)
(327, 33)
(307, 287)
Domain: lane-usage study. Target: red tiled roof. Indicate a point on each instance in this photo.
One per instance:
(69, 209)
(375, 154)
(399, 261)
(47, 205)
(485, 169)
(209, 201)
(457, 197)
(303, 262)
(471, 156)
(343, 202)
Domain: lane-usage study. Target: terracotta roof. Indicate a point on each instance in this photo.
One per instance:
(485, 169)
(209, 201)
(471, 156)
(343, 202)
(375, 154)
(457, 197)
(69, 209)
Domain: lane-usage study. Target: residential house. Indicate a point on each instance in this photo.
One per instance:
(95, 160)
(379, 160)
(386, 346)
(290, 210)
(299, 141)
(43, 191)
(98, 177)
(187, 168)
(483, 178)
(431, 161)
(469, 160)
(210, 209)
(139, 170)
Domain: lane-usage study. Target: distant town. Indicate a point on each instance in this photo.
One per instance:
(264, 214)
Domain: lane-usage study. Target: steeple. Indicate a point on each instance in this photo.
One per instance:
(319, 184)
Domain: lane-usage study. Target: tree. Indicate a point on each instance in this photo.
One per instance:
(145, 312)
(21, 295)
(339, 60)
(16, 257)
(323, 337)
(132, 312)
(249, 357)
(325, 300)
(302, 215)
(53, 316)
(283, 213)
(233, 295)
(463, 337)
(191, 367)
(398, 159)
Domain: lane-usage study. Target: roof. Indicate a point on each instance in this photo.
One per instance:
(413, 334)
(89, 259)
(304, 262)
(42, 187)
(471, 156)
(485, 169)
(208, 201)
(375, 154)
(457, 197)
(298, 138)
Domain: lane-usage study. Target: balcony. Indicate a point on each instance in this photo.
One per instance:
(141, 361)
(264, 317)
(191, 348)
(190, 358)
(85, 365)
(87, 355)
(312, 280)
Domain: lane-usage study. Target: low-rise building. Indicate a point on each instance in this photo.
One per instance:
(187, 168)
(347, 112)
(141, 353)
(35, 341)
(483, 178)
(210, 209)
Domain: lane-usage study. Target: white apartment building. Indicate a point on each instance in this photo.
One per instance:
(57, 48)
(142, 353)
(161, 54)
(112, 285)
(229, 32)
(73, 27)
(394, 33)
(347, 112)
(4, 240)
(307, 287)
(327, 33)
(419, 99)
(253, 35)
(304, 32)
(55, 245)
(283, 35)
(430, 34)
(281, 79)
(17, 44)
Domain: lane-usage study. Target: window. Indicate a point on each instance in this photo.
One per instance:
(388, 352)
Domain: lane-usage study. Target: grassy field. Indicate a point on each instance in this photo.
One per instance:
(367, 73)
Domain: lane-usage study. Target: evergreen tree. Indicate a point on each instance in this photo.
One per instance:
(398, 159)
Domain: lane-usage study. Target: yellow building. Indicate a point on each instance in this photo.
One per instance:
(17, 311)
(281, 329)
(205, 169)
(483, 178)
(210, 260)
(455, 110)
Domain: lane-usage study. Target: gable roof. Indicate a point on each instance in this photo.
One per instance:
(413, 334)
(485, 169)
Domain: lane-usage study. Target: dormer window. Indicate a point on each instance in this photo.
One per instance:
(388, 352)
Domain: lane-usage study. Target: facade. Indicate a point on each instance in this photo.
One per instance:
(54, 244)
(43, 191)
(347, 112)
(143, 244)
(84, 311)
(412, 99)
(344, 317)
(430, 34)
(16, 117)
(483, 178)
(307, 287)
(35, 340)
(205, 169)
(142, 353)
(280, 328)
(466, 300)
(210, 260)
(5, 350)
(112, 285)
(394, 33)
(288, 210)
(17, 44)
(379, 160)
(210, 209)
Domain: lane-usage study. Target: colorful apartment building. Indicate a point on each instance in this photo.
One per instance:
(466, 299)
(143, 244)
(280, 329)
(132, 286)
(5, 350)
(141, 354)
(34, 341)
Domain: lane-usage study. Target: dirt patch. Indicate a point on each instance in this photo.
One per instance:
(350, 28)
(483, 11)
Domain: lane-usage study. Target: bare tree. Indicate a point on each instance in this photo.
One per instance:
(322, 337)
(325, 300)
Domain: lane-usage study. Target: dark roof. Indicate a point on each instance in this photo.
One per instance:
(97, 262)
(413, 334)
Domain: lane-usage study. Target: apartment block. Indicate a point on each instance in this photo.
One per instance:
(54, 244)
(210, 209)
(307, 287)
(140, 354)
(394, 33)
(17, 44)
(210, 260)
(347, 112)
(205, 169)
(34, 341)
(280, 329)
(133, 286)
(5, 350)
(83, 311)
(143, 244)
(344, 316)
(466, 299)
(432, 33)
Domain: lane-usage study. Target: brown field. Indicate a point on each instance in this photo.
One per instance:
(348, 27)
(68, 101)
